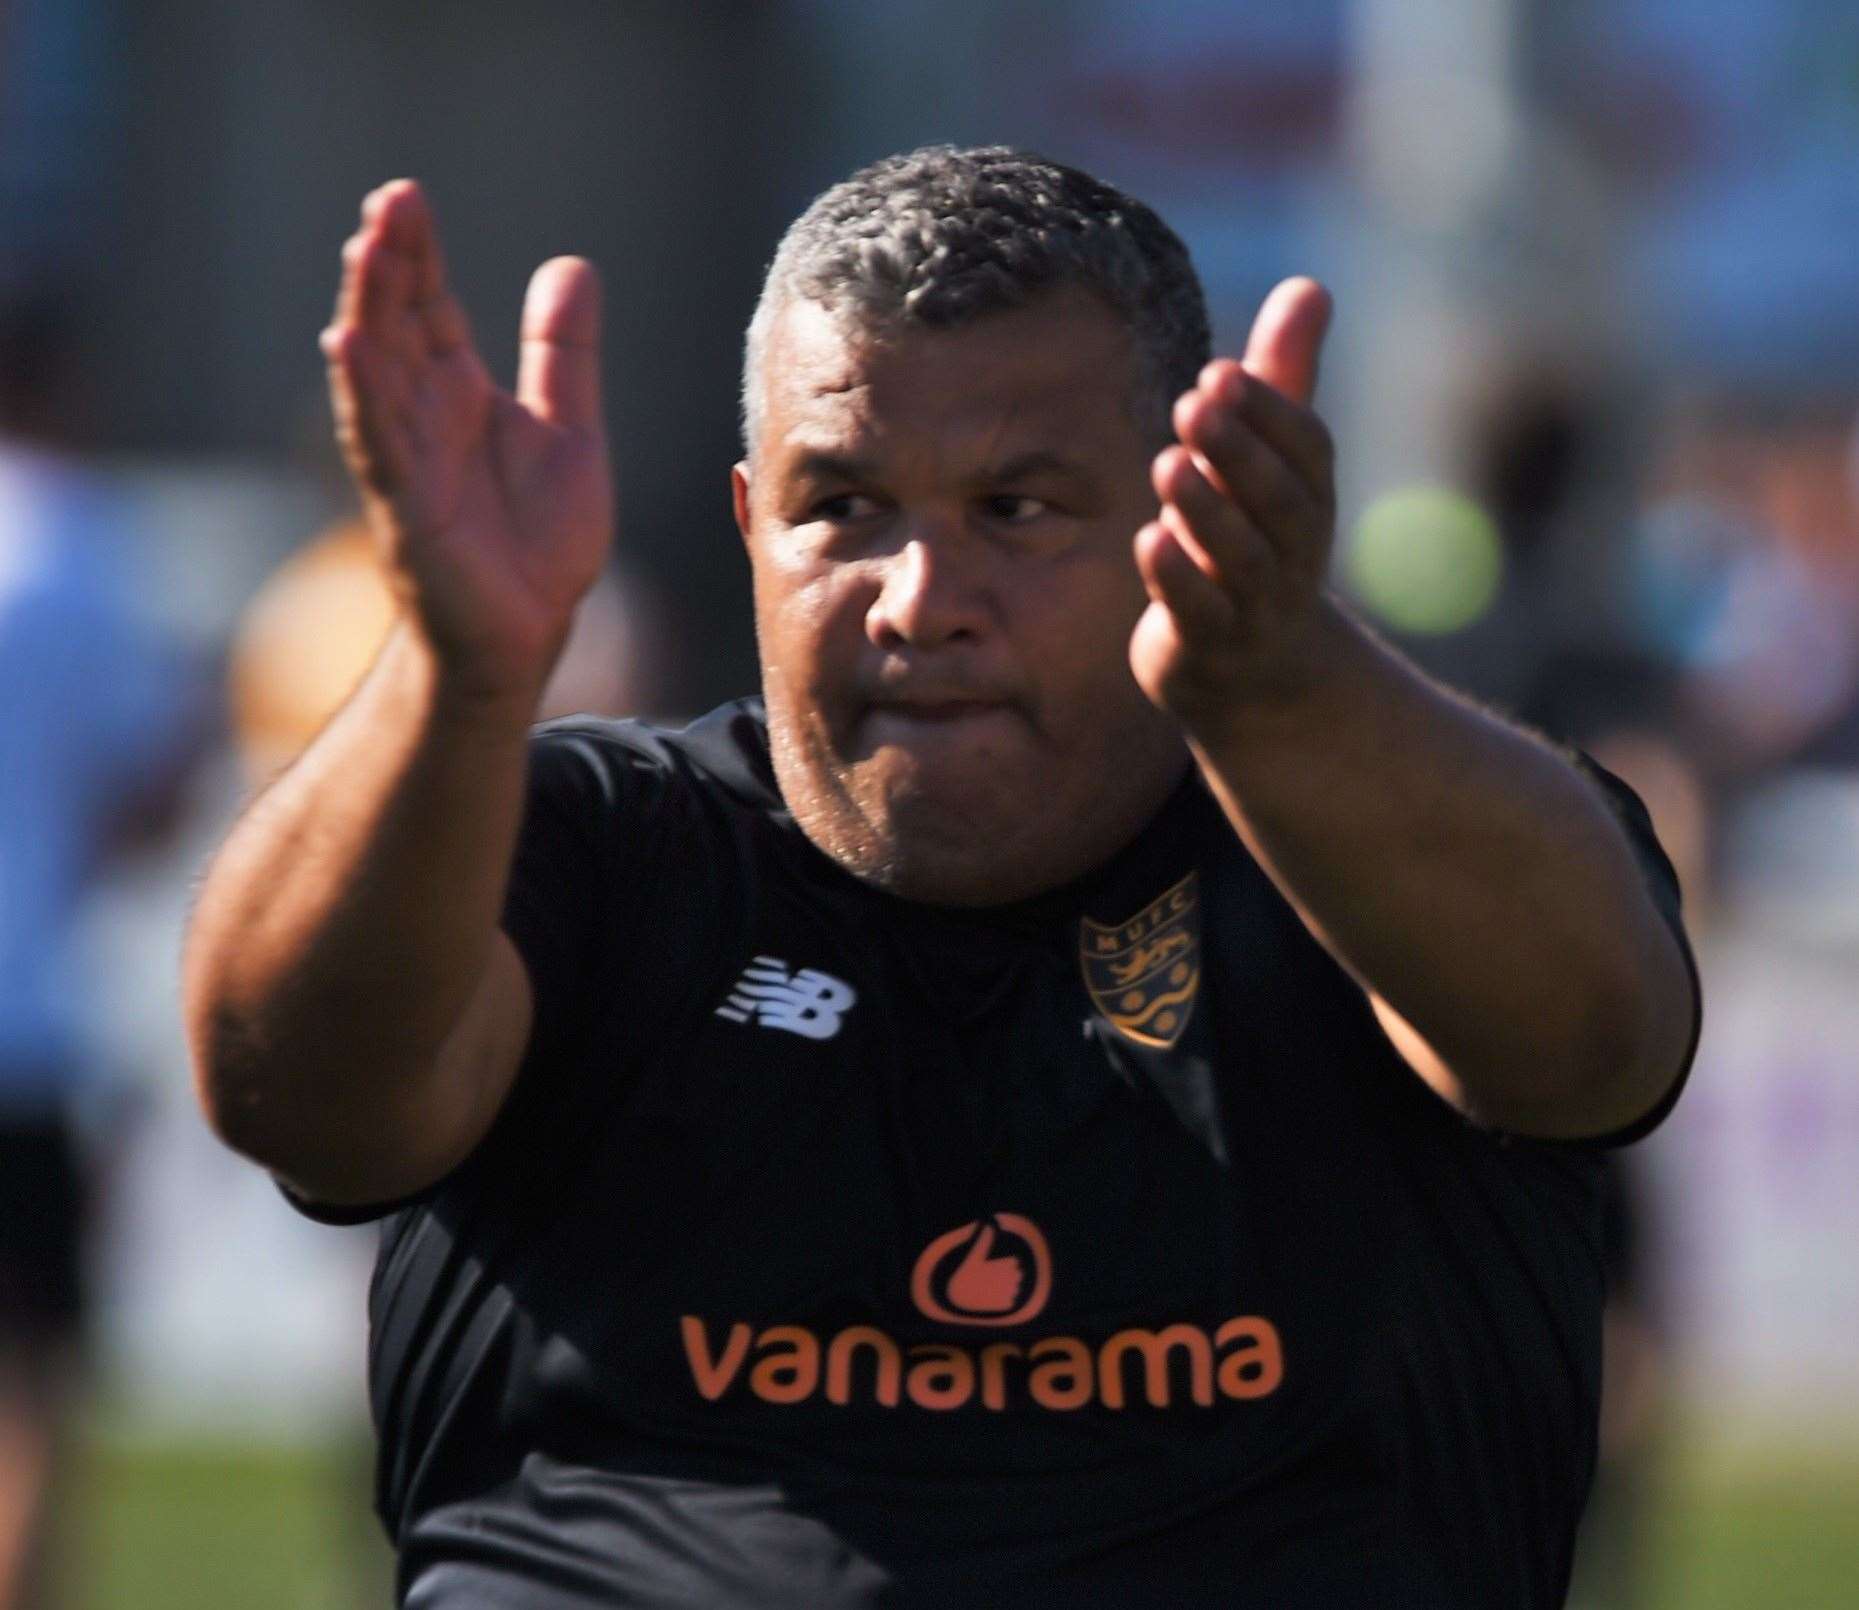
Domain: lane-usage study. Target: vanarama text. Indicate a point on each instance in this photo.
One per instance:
(1240, 1359)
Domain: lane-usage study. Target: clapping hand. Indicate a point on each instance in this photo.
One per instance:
(493, 511)
(1235, 561)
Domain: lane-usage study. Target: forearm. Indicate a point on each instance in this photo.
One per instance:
(1469, 876)
(347, 920)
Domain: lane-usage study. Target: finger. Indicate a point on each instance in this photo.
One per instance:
(368, 426)
(1300, 437)
(1240, 467)
(435, 320)
(558, 372)
(381, 293)
(357, 249)
(1212, 528)
(1287, 337)
(400, 210)
(374, 295)
(1202, 611)
(1209, 519)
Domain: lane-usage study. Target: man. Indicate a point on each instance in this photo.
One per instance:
(98, 726)
(1072, 1109)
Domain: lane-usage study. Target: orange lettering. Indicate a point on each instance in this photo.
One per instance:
(788, 1376)
(993, 1378)
(942, 1378)
(1243, 1359)
(1069, 1361)
(1155, 1346)
(1255, 1369)
(839, 1364)
(713, 1376)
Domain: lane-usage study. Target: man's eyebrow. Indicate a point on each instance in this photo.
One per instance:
(818, 466)
(1041, 461)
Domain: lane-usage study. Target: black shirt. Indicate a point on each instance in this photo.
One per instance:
(836, 1251)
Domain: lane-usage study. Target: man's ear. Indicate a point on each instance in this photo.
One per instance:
(739, 496)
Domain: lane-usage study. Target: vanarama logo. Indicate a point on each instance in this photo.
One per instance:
(993, 1272)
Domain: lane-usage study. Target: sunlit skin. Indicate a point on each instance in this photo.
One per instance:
(940, 525)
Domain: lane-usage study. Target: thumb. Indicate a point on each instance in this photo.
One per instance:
(558, 372)
(1287, 337)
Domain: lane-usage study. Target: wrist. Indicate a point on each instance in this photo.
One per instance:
(468, 690)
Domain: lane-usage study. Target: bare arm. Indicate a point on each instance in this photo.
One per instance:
(1469, 876)
(1474, 881)
(356, 1018)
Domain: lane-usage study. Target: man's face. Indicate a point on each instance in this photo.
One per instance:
(939, 525)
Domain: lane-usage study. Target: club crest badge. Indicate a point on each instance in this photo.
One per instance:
(1143, 974)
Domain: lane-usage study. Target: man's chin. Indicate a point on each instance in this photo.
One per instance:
(936, 829)
(968, 875)
(965, 810)
(945, 779)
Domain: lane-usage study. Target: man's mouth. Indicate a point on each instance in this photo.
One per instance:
(936, 711)
(929, 723)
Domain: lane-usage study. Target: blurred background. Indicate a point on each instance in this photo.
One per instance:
(1594, 376)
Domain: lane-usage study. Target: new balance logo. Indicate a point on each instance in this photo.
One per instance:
(808, 1002)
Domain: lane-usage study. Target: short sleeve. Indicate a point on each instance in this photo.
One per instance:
(592, 814)
(1661, 881)
(561, 869)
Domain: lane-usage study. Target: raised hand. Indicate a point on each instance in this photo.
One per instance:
(493, 511)
(1235, 561)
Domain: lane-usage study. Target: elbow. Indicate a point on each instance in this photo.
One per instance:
(1599, 1063)
(258, 1105)
(1632, 1043)
(239, 1081)
(228, 1064)
(213, 1032)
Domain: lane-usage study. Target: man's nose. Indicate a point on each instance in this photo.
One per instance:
(929, 596)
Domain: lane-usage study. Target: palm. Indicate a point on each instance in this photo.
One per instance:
(493, 510)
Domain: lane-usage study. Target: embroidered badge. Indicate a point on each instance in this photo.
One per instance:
(1143, 974)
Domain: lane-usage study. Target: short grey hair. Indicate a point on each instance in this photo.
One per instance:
(941, 236)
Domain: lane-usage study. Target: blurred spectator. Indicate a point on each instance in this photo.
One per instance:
(95, 730)
(1747, 574)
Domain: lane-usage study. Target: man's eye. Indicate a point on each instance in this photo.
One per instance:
(1011, 508)
(844, 506)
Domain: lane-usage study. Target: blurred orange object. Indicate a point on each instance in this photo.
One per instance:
(312, 630)
(304, 642)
